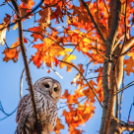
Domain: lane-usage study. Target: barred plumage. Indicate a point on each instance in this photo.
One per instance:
(47, 94)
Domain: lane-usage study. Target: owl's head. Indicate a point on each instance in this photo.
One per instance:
(49, 86)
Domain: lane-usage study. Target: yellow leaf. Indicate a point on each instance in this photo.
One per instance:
(16, 26)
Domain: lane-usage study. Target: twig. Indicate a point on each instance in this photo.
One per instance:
(78, 43)
(7, 115)
(123, 89)
(12, 8)
(97, 77)
(56, 72)
(117, 43)
(21, 83)
(48, 6)
(130, 112)
(8, 46)
(106, 6)
(100, 53)
(83, 79)
(29, 80)
(95, 24)
(117, 100)
(121, 96)
(126, 51)
(25, 16)
(33, 32)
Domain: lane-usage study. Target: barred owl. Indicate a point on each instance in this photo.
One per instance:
(47, 94)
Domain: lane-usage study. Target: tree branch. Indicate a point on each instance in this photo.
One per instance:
(25, 16)
(7, 115)
(96, 26)
(109, 92)
(29, 80)
(84, 79)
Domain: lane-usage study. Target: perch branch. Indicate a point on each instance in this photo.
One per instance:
(29, 80)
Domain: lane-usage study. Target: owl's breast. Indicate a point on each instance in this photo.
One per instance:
(48, 115)
(49, 121)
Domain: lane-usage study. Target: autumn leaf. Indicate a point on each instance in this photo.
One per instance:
(58, 126)
(78, 116)
(37, 33)
(65, 95)
(11, 53)
(47, 52)
(7, 21)
(25, 40)
(129, 66)
(45, 15)
(25, 6)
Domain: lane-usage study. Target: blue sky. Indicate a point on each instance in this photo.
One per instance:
(10, 74)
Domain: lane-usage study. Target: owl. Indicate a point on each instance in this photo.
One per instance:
(47, 93)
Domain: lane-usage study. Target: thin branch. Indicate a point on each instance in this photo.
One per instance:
(130, 110)
(7, 115)
(97, 77)
(117, 99)
(126, 51)
(25, 16)
(29, 80)
(48, 6)
(9, 47)
(95, 24)
(123, 89)
(21, 83)
(121, 98)
(79, 43)
(117, 43)
(12, 8)
(85, 80)
(100, 53)
(106, 6)
(33, 32)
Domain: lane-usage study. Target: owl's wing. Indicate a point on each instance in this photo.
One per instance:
(21, 114)
(22, 106)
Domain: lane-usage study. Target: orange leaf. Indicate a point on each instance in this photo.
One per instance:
(58, 126)
(129, 66)
(37, 33)
(11, 53)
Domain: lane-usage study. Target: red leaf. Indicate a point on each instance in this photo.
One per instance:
(25, 40)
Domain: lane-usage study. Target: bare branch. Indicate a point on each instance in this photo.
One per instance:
(96, 77)
(117, 43)
(127, 86)
(7, 115)
(120, 107)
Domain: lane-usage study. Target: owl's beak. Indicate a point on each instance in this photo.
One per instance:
(50, 92)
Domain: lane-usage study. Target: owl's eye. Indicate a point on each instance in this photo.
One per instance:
(55, 89)
(46, 85)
